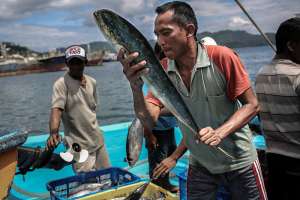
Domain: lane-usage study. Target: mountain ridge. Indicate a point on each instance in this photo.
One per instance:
(229, 38)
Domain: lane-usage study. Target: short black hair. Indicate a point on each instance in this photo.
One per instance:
(288, 30)
(183, 13)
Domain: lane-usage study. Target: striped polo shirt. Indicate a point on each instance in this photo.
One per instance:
(277, 88)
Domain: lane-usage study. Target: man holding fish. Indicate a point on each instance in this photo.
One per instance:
(217, 91)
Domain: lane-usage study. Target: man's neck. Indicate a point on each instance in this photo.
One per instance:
(188, 60)
(286, 56)
(78, 78)
(82, 79)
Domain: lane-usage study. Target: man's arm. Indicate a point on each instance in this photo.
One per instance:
(154, 110)
(170, 162)
(147, 112)
(54, 123)
(241, 117)
(238, 86)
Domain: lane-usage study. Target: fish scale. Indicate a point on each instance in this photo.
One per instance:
(134, 142)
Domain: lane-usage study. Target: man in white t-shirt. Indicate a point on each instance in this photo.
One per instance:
(74, 100)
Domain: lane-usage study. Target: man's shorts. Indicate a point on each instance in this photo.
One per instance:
(242, 184)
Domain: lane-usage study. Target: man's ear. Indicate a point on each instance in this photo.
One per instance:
(190, 28)
(290, 46)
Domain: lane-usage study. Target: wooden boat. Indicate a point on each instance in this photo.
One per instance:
(8, 159)
(32, 185)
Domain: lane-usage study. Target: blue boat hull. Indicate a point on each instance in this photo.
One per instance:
(33, 184)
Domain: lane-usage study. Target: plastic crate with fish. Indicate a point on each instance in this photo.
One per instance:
(88, 183)
(221, 194)
(152, 192)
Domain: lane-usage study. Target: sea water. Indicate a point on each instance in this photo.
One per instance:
(25, 100)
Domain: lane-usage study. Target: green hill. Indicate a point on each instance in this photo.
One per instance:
(229, 38)
(12, 48)
(100, 46)
(237, 39)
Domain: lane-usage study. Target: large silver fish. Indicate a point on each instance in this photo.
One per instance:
(122, 34)
(134, 142)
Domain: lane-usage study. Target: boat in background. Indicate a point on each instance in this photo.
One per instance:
(109, 57)
(12, 67)
(16, 64)
(95, 58)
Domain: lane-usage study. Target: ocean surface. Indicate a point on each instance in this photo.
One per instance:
(25, 100)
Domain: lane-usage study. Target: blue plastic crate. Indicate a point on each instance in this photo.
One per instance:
(221, 195)
(109, 178)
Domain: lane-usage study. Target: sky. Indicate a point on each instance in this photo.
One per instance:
(44, 25)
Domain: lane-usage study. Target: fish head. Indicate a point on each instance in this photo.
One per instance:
(122, 34)
(103, 18)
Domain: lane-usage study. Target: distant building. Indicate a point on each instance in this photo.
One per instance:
(3, 50)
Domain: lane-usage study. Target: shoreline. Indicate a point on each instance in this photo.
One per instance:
(24, 72)
(37, 71)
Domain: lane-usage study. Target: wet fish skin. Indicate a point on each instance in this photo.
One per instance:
(122, 34)
(138, 193)
(87, 188)
(134, 142)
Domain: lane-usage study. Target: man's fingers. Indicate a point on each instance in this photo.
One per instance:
(121, 55)
(157, 173)
(209, 140)
(128, 60)
(216, 141)
(47, 145)
(206, 137)
(203, 131)
(135, 69)
(205, 134)
(158, 166)
(50, 143)
(161, 169)
(53, 141)
(157, 169)
(56, 142)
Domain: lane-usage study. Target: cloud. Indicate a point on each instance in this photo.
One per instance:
(238, 22)
(43, 38)
(12, 9)
(131, 6)
(148, 19)
(67, 3)
(212, 7)
(28, 22)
